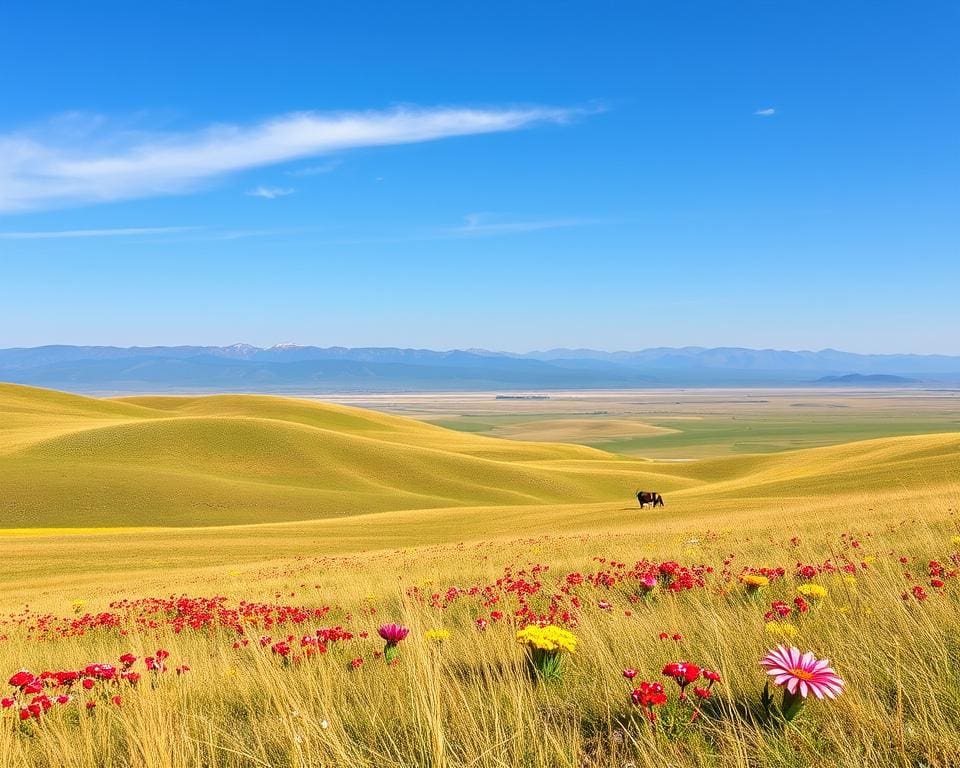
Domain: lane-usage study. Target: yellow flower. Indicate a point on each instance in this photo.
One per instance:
(781, 629)
(869, 559)
(548, 638)
(77, 605)
(955, 541)
(851, 581)
(812, 590)
(754, 580)
(437, 635)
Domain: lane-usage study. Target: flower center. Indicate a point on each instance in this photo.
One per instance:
(801, 673)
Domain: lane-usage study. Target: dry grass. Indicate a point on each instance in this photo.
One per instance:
(470, 701)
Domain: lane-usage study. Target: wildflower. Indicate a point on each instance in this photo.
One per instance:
(356, 663)
(648, 582)
(683, 674)
(393, 634)
(630, 673)
(117, 700)
(800, 674)
(648, 696)
(711, 676)
(22, 678)
(437, 635)
(814, 591)
(753, 581)
(781, 629)
(955, 541)
(545, 648)
(77, 605)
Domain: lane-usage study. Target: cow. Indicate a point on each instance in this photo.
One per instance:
(649, 497)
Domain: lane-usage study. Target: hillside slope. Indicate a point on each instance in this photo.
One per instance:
(73, 461)
(69, 461)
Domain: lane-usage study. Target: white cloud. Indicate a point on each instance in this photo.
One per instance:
(53, 166)
(492, 224)
(316, 170)
(766, 112)
(270, 192)
(72, 233)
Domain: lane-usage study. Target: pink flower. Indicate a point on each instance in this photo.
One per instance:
(648, 581)
(629, 673)
(802, 673)
(393, 633)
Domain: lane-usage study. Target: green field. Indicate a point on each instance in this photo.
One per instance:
(693, 424)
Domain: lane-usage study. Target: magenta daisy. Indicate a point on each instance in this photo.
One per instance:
(802, 673)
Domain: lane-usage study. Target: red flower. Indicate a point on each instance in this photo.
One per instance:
(22, 678)
(683, 672)
(713, 677)
(629, 673)
(88, 683)
(648, 695)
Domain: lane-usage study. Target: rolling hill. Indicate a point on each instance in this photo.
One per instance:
(72, 461)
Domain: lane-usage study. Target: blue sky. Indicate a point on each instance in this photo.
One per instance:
(503, 175)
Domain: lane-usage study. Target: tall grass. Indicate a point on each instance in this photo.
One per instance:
(470, 701)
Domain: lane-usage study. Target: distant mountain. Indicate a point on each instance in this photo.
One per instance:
(294, 368)
(870, 379)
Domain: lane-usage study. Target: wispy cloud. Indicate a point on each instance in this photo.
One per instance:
(766, 112)
(270, 192)
(53, 166)
(479, 224)
(72, 233)
(317, 170)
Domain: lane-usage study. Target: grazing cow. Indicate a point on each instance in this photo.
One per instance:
(649, 497)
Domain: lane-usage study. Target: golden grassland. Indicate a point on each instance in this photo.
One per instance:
(423, 509)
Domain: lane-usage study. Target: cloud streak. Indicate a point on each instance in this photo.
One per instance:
(51, 168)
(481, 224)
(767, 112)
(64, 234)
(270, 193)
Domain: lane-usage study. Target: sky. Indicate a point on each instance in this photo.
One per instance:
(502, 175)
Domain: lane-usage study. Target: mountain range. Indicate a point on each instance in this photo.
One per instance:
(294, 368)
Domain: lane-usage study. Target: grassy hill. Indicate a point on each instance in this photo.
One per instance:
(71, 461)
